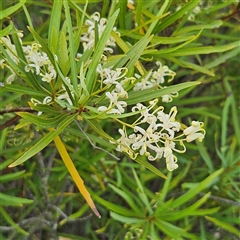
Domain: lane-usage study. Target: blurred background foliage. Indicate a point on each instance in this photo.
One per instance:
(199, 200)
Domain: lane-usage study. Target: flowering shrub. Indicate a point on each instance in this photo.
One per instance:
(156, 139)
(111, 79)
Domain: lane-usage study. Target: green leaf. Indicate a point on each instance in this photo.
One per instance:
(42, 120)
(93, 138)
(149, 94)
(163, 9)
(127, 198)
(90, 78)
(142, 161)
(6, 30)
(3, 138)
(11, 176)
(132, 54)
(142, 194)
(206, 157)
(198, 27)
(196, 50)
(6, 200)
(72, 51)
(45, 109)
(193, 210)
(114, 207)
(173, 231)
(98, 129)
(10, 10)
(63, 54)
(43, 142)
(54, 25)
(198, 188)
(158, 39)
(172, 18)
(223, 58)
(11, 222)
(190, 65)
(129, 220)
(229, 227)
(23, 90)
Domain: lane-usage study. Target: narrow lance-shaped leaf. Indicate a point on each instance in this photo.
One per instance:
(200, 186)
(11, 222)
(43, 142)
(97, 54)
(7, 12)
(74, 173)
(149, 94)
(224, 225)
(7, 200)
(53, 32)
(71, 47)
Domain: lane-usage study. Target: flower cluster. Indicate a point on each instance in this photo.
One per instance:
(156, 134)
(114, 80)
(11, 51)
(37, 60)
(88, 38)
(155, 79)
(39, 63)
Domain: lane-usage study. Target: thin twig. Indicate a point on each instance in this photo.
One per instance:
(10, 122)
(94, 146)
(64, 215)
(19, 109)
(224, 200)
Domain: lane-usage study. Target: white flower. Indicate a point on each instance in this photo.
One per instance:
(168, 121)
(124, 141)
(146, 116)
(10, 48)
(35, 58)
(11, 77)
(113, 97)
(145, 140)
(145, 83)
(48, 77)
(88, 38)
(169, 97)
(194, 132)
(161, 73)
(168, 154)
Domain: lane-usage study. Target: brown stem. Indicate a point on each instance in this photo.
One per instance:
(20, 109)
(10, 122)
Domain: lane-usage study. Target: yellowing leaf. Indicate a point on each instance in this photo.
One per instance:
(74, 173)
